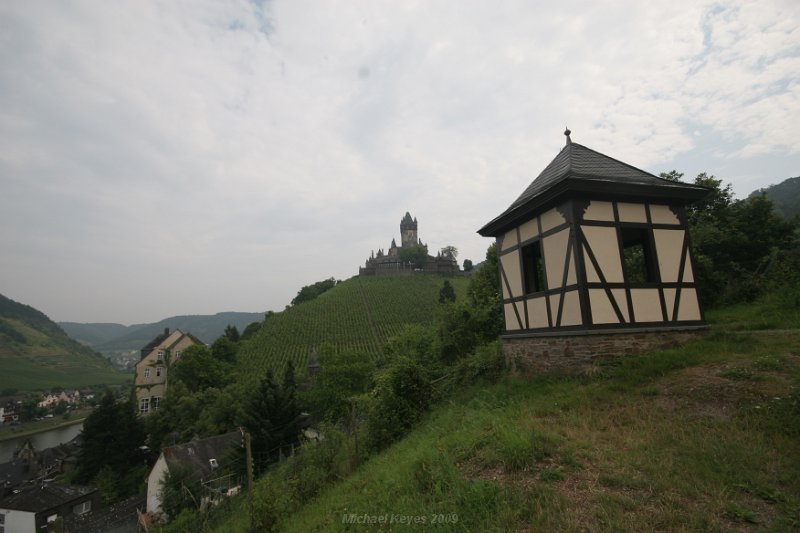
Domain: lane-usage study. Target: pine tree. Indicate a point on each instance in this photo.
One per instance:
(112, 436)
(273, 418)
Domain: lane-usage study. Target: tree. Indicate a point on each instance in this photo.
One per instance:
(447, 293)
(232, 333)
(273, 418)
(199, 369)
(450, 252)
(112, 437)
(310, 292)
(401, 395)
(467, 265)
(224, 349)
(731, 240)
(180, 489)
(341, 377)
(250, 330)
(713, 206)
(30, 408)
(672, 175)
(416, 255)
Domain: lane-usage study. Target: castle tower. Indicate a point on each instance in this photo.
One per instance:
(408, 231)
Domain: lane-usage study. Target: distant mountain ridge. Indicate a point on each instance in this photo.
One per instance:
(785, 195)
(109, 337)
(36, 353)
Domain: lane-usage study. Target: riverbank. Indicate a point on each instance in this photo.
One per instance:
(8, 432)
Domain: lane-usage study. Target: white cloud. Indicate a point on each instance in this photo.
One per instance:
(168, 157)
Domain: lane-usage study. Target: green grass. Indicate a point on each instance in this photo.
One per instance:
(697, 438)
(599, 453)
(33, 374)
(36, 354)
(359, 315)
(775, 310)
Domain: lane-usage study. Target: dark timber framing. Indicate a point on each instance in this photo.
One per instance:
(623, 202)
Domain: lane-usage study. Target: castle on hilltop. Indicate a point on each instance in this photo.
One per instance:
(411, 256)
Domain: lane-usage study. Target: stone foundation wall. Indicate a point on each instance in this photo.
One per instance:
(575, 353)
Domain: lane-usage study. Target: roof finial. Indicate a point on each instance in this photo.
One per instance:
(567, 132)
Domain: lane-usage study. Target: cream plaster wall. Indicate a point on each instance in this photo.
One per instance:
(646, 305)
(598, 210)
(511, 267)
(537, 312)
(605, 245)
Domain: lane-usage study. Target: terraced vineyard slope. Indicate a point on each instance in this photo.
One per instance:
(36, 354)
(358, 314)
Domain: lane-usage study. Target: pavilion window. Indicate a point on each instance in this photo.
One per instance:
(533, 268)
(638, 256)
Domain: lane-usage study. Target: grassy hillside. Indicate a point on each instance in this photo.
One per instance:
(705, 437)
(116, 337)
(35, 353)
(358, 314)
(785, 195)
(92, 334)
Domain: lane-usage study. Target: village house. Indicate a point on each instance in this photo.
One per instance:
(35, 508)
(594, 261)
(208, 460)
(72, 398)
(162, 352)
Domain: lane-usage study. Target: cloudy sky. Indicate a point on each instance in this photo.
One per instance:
(161, 158)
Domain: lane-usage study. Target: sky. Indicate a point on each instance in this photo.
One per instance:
(194, 157)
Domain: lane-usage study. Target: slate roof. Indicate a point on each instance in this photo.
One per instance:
(155, 342)
(578, 168)
(119, 517)
(195, 455)
(44, 497)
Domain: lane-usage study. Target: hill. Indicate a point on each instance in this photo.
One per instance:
(705, 437)
(358, 314)
(35, 353)
(109, 337)
(785, 195)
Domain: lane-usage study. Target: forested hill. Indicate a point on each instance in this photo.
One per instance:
(107, 337)
(358, 314)
(785, 195)
(36, 353)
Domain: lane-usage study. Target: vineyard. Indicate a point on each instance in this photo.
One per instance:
(357, 315)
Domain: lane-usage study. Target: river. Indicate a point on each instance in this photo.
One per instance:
(45, 439)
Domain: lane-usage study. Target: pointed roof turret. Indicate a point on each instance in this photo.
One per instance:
(578, 169)
(407, 222)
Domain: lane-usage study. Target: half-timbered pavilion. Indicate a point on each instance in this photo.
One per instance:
(595, 260)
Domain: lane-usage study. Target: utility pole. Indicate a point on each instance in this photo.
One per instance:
(354, 431)
(249, 452)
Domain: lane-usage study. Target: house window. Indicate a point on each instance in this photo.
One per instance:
(155, 402)
(638, 255)
(178, 354)
(160, 355)
(82, 508)
(158, 371)
(533, 268)
(144, 406)
(146, 373)
(52, 518)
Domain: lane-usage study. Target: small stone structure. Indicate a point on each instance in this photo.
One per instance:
(391, 262)
(595, 261)
(556, 354)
